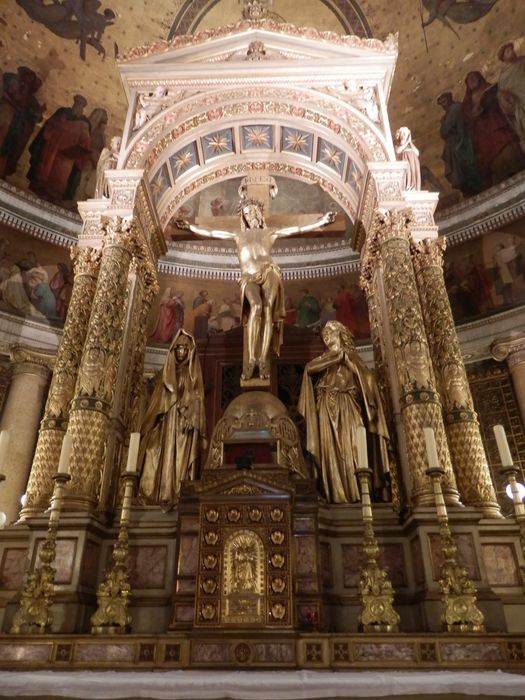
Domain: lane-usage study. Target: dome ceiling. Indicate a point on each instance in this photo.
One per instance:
(74, 51)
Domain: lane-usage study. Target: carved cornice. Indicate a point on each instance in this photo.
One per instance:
(26, 212)
(390, 45)
(492, 209)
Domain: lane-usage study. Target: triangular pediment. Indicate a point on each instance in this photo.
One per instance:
(246, 485)
(286, 48)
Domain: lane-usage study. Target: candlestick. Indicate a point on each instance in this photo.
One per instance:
(431, 447)
(362, 453)
(503, 446)
(4, 446)
(65, 453)
(133, 452)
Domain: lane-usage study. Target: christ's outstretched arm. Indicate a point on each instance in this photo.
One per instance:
(206, 232)
(327, 218)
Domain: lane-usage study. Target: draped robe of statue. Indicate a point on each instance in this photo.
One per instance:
(344, 396)
(174, 425)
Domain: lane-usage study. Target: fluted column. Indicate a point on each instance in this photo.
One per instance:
(95, 388)
(86, 262)
(21, 415)
(388, 246)
(461, 422)
(514, 352)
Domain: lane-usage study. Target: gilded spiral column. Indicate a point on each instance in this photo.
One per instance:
(419, 402)
(90, 413)
(149, 289)
(461, 422)
(86, 262)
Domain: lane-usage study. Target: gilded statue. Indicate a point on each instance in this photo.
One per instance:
(173, 428)
(343, 396)
(262, 294)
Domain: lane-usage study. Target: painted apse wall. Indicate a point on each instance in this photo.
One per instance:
(60, 81)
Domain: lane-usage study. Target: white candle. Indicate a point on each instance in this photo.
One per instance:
(362, 454)
(65, 453)
(4, 447)
(431, 447)
(133, 452)
(503, 446)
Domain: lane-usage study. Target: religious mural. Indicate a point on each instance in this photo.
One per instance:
(486, 275)
(35, 279)
(473, 139)
(483, 131)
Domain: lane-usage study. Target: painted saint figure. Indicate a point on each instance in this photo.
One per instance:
(173, 428)
(343, 396)
(262, 294)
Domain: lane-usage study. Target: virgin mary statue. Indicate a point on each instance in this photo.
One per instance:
(173, 428)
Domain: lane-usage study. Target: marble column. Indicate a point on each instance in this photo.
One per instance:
(86, 262)
(91, 408)
(388, 252)
(22, 412)
(461, 422)
(514, 352)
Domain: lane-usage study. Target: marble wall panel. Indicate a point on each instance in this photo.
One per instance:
(305, 555)
(66, 549)
(352, 557)
(25, 652)
(391, 556)
(188, 555)
(274, 652)
(12, 568)
(470, 652)
(326, 564)
(105, 652)
(90, 564)
(209, 652)
(466, 555)
(147, 565)
(501, 564)
(417, 561)
(382, 652)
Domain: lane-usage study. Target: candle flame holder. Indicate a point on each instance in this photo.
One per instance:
(34, 613)
(112, 615)
(375, 589)
(510, 472)
(458, 595)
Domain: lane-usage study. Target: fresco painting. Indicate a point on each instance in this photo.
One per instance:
(486, 275)
(35, 279)
(484, 133)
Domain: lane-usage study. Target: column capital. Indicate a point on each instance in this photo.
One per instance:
(422, 205)
(86, 261)
(32, 361)
(428, 252)
(510, 349)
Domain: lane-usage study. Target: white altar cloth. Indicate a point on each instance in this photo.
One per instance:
(256, 685)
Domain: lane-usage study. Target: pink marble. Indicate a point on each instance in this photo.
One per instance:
(65, 559)
(501, 564)
(471, 652)
(417, 561)
(466, 555)
(147, 564)
(186, 585)
(392, 557)
(184, 613)
(326, 564)
(89, 569)
(352, 560)
(305, 554)
(274, 652)
(105, 652)
(25, 652)
(188, 555)
(189, 523)
(12, 568)
(383, 652)
(210, 652)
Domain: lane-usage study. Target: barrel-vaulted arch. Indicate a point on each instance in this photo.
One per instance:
(290, 140)
(312, 107)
